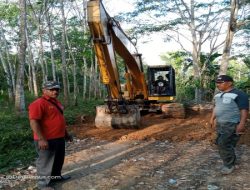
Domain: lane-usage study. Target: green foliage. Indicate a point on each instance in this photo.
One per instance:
(16, 145)
(243, 85)
(86, 107)
(185, 84)
(246, 60)
(3, 84)
(240, 71)
(9, 12)
(184, 89)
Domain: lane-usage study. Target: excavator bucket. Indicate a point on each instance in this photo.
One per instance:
(131, 119)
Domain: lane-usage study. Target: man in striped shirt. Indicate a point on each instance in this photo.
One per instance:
(230, 115)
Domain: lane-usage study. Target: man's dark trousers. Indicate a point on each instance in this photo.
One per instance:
(226, 141)
(50, 161)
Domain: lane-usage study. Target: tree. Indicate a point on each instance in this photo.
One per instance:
(7, 73)
(51, 38)
(8, 17)
(63, 54)
(235, 23)
(32, 71)
(37, 16)
(20, 99)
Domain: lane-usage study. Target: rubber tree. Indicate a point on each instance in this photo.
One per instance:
(63, 55)
(19, 98)
(51, 39)
(37, 15)
(8, 17)
(32, 70)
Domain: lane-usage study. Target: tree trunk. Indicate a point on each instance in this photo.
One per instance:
(195, 54)
(100, 87)
(9, 70)
(74, 72)
(51, 37)
(229, 38)
(41, 53)
(68, 83)
(90, 74)
(84, 90)
(30, 81)
(63, 55)
(19, 99)
(46, 67)
(8, 78)
(95, 79)
(75, 82)
(32, 70)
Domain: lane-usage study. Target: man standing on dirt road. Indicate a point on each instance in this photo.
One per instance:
(49, 130)
(230, 113)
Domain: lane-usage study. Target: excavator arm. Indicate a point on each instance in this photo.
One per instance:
(108, 39)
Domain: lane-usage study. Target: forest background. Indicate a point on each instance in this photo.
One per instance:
(49, 40)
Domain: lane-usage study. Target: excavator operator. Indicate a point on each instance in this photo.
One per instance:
(160, 85)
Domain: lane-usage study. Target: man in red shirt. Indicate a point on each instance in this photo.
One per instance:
(49, 129)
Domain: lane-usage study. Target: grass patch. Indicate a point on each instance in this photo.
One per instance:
(16, 144)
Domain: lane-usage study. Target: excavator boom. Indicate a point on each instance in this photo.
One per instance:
(108, 38)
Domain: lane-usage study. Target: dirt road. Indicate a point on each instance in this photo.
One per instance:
(165, 154)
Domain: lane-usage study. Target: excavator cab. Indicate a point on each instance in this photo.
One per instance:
(161, 82)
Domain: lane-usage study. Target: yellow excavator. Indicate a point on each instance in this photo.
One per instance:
(141, 91)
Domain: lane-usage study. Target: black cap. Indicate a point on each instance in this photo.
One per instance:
(224, 78)
(50, 85)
